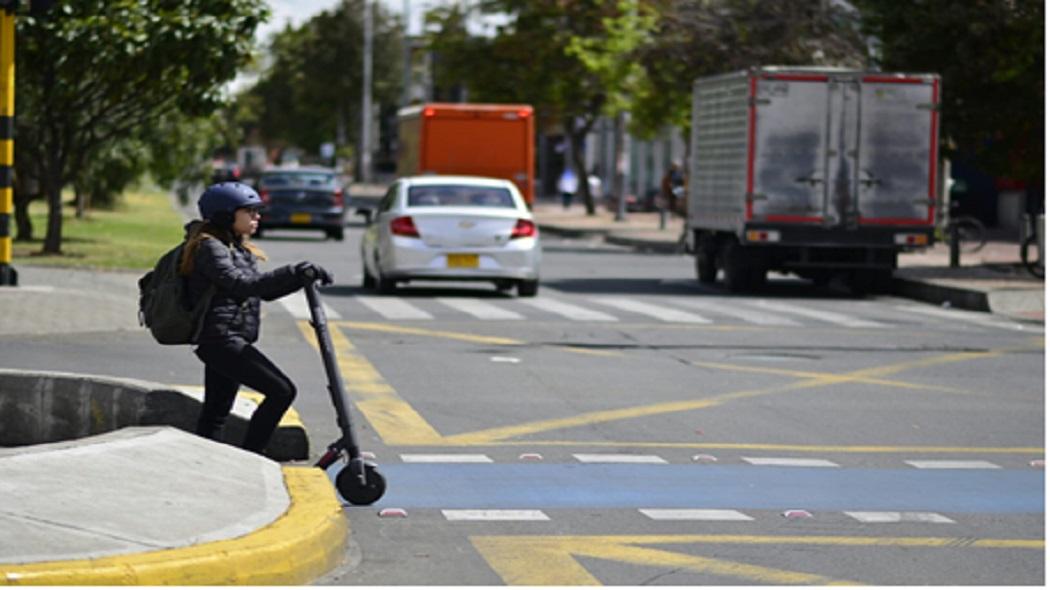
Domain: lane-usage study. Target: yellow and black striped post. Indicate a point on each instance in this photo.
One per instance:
(8, 276)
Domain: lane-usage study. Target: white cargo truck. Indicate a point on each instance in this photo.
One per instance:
(816, 171)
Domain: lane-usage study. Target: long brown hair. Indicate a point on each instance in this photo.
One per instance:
(202, 230)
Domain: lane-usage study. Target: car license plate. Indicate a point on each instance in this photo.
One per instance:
(300, 218)
(462, 260)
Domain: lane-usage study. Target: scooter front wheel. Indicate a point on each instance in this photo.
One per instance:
(354, 491)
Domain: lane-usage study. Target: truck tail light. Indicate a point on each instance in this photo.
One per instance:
(523, 229)
(429, 112)
(403, 226)
(911, 240)
(763, 235)
(337, 197)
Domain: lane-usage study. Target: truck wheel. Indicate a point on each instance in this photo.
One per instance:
(735, 266)
(861, 282)
(706, 265)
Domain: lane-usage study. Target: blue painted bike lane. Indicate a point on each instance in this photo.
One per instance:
(494, 486)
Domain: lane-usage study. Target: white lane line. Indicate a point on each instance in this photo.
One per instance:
(616, 458)
(820, 314)
(479, 309)
(971, 317)
(567, 310)
(737, 310)
(296, 305)
(659, 312)
(953, 464)
(445, 458)
(789, 462)
(893, 517)
(693, 514)
(494, 515)
(393, 308)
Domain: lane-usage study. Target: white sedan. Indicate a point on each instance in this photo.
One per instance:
(460, 228)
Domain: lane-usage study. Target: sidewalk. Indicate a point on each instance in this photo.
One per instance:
(991, 279)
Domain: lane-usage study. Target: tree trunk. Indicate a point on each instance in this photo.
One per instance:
(579, 164)
(619, 188)
(82, 198)
(23, 224)
(53, 191)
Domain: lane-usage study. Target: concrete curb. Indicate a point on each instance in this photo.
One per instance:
(933, 293)
(305, 543)
(45, 406)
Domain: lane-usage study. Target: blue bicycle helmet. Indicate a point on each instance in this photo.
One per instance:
(219, 201)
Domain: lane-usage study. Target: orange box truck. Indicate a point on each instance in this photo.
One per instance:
(496, 140)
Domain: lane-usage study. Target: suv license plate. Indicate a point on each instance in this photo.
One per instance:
(300, 218)
(462, 260)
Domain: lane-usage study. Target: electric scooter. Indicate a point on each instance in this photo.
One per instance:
(358, 482)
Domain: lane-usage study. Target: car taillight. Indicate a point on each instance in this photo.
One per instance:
(265, 196)
(523, 229)
(337, 197)
(403, 226)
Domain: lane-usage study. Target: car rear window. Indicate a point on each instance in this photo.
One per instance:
(297, 179)
(460, 196)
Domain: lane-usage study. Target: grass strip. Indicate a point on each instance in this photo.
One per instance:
(131, 237)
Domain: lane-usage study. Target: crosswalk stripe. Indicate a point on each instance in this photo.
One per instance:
(953, 464)
(296, 305)
(693, 514)
(973, 317)
(663, 313)
(393, 308)
(893, 517)
(789, 462)
(617, 458)
(446, 458)
(494, 515)
(569, 311)
(737, 310)
(820, 314)
(479, 309)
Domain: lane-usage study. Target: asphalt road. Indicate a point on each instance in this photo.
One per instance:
(629, 426)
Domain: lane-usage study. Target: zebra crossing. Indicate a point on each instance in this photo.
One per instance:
(670, 309)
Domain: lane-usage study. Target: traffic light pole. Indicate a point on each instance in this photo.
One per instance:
(8, 275)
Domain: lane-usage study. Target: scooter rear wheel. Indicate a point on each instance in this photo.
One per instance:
(353, 491)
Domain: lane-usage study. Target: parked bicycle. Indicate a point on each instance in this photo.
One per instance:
(1031, 252)
(968, 230)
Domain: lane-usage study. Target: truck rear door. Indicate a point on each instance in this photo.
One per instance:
(898, 150)
(788, 159)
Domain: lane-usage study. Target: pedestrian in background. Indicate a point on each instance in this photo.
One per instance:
(672, 187)
(219, 254)
(567, 185)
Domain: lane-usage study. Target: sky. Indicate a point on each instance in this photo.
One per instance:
(298, 11)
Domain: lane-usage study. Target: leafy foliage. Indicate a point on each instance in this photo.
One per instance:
(990, 56)
(312, 89)
(95, 72)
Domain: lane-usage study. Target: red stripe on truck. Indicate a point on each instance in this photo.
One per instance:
(892, 221)
(794, 218)
(933, 149)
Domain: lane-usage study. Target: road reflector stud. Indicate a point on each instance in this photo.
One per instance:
(1038, 463)
(393, 513)
(705, 458)
(530, 457)
(797, 514)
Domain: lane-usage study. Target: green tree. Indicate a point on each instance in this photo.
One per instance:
(551, 54)
(311, 92)
(93, 72)
(990, 55)
(696, 38)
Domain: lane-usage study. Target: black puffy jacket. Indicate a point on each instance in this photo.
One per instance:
(234, 311)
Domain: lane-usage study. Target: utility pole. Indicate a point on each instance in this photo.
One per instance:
(8, 275)
(406, 41)
(366, 99)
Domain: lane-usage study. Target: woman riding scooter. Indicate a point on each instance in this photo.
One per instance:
(218, 253)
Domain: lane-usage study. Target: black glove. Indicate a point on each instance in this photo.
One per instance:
(308, 272)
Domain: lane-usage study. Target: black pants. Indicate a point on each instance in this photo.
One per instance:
(228, 365)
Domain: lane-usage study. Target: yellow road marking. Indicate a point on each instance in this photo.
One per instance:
(391, 417)
(551, 560)
(831, 377)
(392, 329)
(590, 418)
